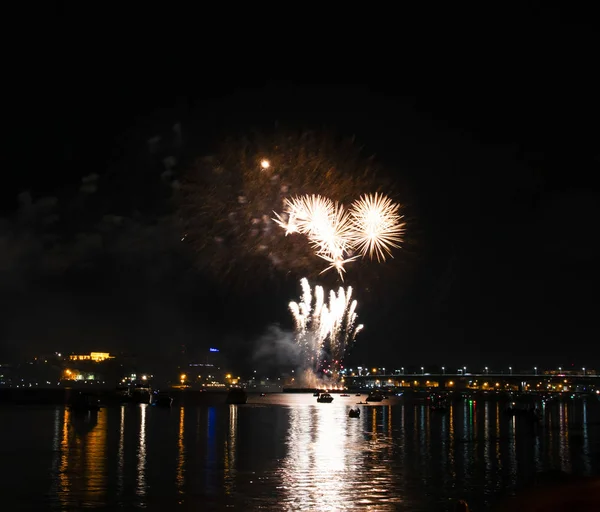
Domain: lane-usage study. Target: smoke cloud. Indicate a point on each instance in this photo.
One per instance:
(277, 348)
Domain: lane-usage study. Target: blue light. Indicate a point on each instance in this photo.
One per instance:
(213, 349)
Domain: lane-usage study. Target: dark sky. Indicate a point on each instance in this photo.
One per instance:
(490, 127)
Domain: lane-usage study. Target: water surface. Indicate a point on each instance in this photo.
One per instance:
(286, 452)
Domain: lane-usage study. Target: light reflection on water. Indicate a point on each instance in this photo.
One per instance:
(141, 452)
(180, 474)
(287, 453)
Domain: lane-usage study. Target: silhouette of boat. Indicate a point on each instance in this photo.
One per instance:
(237, 396)
(375, 396)
(438, 402)
(354, 413)
(85, 403)
(325, 398)
(162, 399)
(135, 394)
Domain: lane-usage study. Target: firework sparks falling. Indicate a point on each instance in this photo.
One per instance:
(324, 330)
(371, 228)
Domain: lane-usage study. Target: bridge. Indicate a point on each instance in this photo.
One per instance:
(542, 382)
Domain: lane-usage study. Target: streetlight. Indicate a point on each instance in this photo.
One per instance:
(443, 371)
(510, 370)
(535, 369)
(560, 368)
(486, 369)
(422, 371)
(402, 369)
(464, 370)
(583, 371)
(183, 377)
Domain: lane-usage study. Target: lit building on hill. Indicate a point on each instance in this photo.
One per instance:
(96, 357)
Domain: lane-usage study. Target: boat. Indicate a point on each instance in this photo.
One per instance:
(375, 396)
(237, 396)
(134, 394)
(162, 399)
(85, 403)
(345, 394)
(316, 394)
(325, 398)
(354, 413)
(438, 402)
(358, 394)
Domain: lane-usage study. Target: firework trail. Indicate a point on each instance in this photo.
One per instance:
(371, 228)
(324, 330)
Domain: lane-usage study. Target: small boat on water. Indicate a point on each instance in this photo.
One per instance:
(354, 413)
(358, 394)
(135, 393)
(345, 394)
(162, 399)
(325, 398)
(438, 402)
(316, 394)
(85, 403)
(375, 396)
(237, 396)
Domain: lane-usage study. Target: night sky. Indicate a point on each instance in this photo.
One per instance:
(490, 133)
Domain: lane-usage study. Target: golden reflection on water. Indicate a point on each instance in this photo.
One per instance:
(63, 476)
(141, 454)
(330, 465)
(180, 472)
(486, 441)
(451, 442)
(95, 461)
(498, 454)
(121, 452)
(564, 453)
(230, 452)
(82, 463)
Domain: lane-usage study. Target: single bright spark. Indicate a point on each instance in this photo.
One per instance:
(265, 164)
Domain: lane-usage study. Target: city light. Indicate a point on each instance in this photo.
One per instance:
(265, 164)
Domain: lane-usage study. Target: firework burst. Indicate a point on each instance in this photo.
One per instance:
(324, 330)
(226, 205)
(371, 228)
(377, 226)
